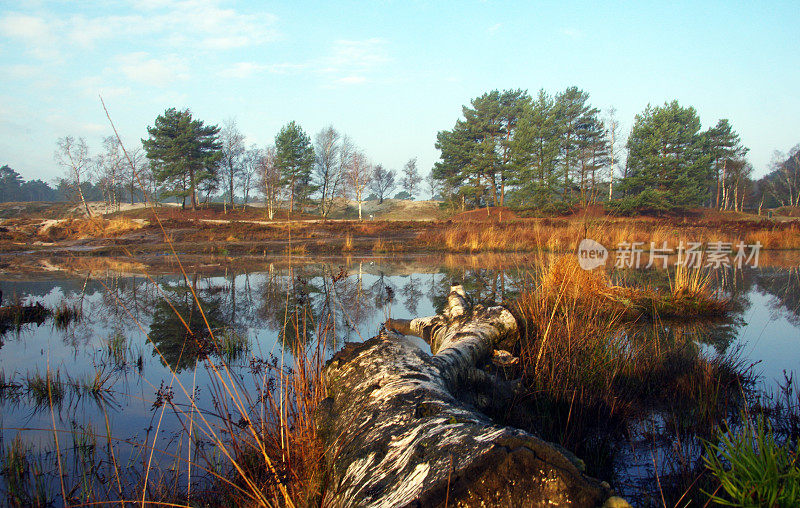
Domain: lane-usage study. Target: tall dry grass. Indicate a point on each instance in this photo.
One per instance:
(265, 450)
(586, 362)
(94, 227)
(565, 235)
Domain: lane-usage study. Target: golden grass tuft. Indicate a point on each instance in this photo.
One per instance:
(593, 353)
(562, 235)
(348, 243)
(76, 229)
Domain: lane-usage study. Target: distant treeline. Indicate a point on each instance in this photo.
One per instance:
(15, 188)
(184, 158)
(555, 151)
(550, 152)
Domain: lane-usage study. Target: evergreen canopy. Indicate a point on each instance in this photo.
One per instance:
(183, 152)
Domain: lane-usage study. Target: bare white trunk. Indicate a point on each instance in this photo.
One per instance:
(403, 438)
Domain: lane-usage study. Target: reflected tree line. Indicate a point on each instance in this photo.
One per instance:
(331, 303)
(324, 302)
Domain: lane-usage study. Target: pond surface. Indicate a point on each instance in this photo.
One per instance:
(340, 300)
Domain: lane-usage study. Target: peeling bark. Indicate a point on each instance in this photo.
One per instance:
(397, 434)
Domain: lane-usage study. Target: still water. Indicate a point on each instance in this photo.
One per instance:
(340, 300)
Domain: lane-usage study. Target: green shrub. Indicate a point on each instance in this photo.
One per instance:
(752, 469)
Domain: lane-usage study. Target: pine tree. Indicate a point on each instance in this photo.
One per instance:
(294, 157)
(10, 184)
(476, 161)
(668, 166)
(574, 115)
(727, 153)
(184, 153)
(536, 148)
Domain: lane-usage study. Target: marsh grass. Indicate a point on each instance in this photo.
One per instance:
(381, 245)
(94, 227)
(65, 314)
(244, 449)
(348, 244)
(15, 315)
(596, 358)
(232, 344)
(46, 389)
(117, 348)
(752, 467)
(562, 235)
(23, 476)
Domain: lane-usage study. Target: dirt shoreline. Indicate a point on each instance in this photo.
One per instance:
(136, 235)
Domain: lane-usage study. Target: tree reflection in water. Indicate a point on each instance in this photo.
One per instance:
(186, 328)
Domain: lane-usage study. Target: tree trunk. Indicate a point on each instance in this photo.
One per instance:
(399, 436)
(192, 189)
(83, 200)
(231, 191)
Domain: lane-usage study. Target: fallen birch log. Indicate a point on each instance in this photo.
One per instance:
(398, 435)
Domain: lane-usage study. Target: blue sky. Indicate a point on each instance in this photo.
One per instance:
(390, 74)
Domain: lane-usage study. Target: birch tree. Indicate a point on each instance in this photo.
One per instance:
(73, 156)
(411, 179)
(331, 154)
(271, 181)
(358, 174)
(232, 161)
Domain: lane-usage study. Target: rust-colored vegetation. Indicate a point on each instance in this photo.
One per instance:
(596, 355)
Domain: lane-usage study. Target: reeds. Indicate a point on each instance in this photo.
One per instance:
(562, 235)
(752, 468)
(66, 314)
(46, 389)
(94, 227)
(596, 357)
(23, 476)
(347, 246)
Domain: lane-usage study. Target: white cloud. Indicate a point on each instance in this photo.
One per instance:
(37, 34)
(24, 27)
(95, 85)
(242, 70)
(494, 28)
(286, 68)
(22, 71)
(87, 32)
(572, 33)
(357, 54)
(160, 72)
(351, 80)
(204, 25)
(351, 61)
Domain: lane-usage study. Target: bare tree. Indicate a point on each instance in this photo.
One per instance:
(271, 182)
(739, 185)
(358, 175)
(784, 181)
(138, 175)
(411, 178)
(252, 171)
(433, 184)
(382, 182)
(612, 131)
(232, 161)
(109, 167)
(73, 156)
(332, 152)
